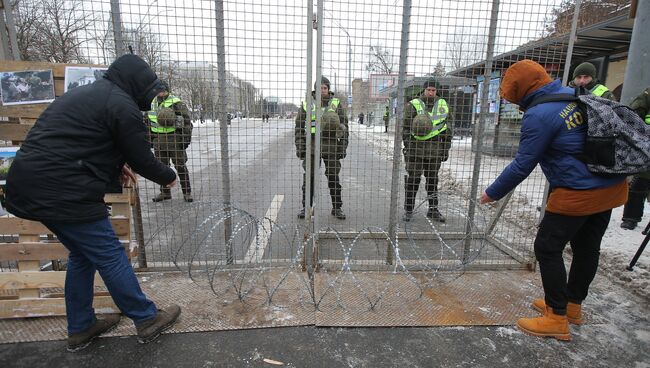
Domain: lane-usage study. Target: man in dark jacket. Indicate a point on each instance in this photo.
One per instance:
(171, 138)
(427, 139)
(584, 75)
(579, 205)
(640, 184)
(75, 151)
(334, 144)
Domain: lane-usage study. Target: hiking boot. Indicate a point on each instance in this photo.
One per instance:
(188, 197)
(435, 215)
(162, 197)
(573, 310)
(151, 329)
(301, 214)
(338, 213)
(628, 224)
(81, 340)
(548, 325)
(408, 215)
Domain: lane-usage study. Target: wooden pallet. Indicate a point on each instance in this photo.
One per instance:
(24, 291)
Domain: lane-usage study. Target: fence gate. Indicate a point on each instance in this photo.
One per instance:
(244, 71)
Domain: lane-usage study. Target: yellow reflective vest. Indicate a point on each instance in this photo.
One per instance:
(331, 106)
(438, 115)
(153, 114)
(599, 90)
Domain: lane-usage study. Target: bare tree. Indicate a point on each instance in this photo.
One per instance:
(464, 48)
(381, 60)
(591, 12)
(51, 30)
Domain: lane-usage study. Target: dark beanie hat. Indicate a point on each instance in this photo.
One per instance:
(324, 81)
(431, 83)
(585, 68)
(165, 86)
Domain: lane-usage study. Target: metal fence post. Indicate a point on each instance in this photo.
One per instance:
(116, 16)
(223, 128)
(399, 118)
(637, 75)
(307, 264)
(487, 72)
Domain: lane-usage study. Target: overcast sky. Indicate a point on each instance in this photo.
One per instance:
(266, 40)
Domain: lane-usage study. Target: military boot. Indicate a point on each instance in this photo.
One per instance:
(435, 215)
(81, 340)
(188, 197)
(301, 213)
(573, 310)
(338, 213)
(162, 196)
(410, 191)
(548, 325)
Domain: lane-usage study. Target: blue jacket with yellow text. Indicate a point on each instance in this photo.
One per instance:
(551, 135)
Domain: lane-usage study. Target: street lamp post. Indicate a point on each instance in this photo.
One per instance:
(349, 68)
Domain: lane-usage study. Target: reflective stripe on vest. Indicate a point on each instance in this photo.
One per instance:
(438, 115)
(599, 90)
(153, 114)
(331, 106)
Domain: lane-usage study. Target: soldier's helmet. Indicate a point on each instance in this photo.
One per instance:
(166, 117)
(422, 125)
(330, 124)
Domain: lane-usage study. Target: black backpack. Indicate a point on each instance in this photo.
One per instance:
(618, 140)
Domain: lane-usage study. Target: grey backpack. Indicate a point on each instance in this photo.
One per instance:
(618, 140)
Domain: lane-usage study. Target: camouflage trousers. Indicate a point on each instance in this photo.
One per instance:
(178, 157)
(415, 168)
(332, 170)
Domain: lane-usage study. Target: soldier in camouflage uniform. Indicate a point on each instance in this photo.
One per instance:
(171, 134)
(640, 185)
(334, 144)
(427, 138)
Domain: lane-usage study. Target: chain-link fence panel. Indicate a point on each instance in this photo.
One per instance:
(341, 135)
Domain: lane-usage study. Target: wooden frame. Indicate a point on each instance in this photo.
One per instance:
(23, 292)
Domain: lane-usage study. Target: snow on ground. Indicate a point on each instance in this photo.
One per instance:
(618, 245)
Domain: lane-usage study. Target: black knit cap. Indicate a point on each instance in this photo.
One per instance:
(585, 68)
(324, 81)
(431, 83)
(165, 85)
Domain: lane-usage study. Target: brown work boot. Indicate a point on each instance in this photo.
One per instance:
(151, 329)
(573, 311)
(162, 197)
(548, 325)
(81, 340)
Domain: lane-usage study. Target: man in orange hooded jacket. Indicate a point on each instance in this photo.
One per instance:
(579, 205)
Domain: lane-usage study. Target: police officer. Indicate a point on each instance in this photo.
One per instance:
(386, 118)
(334, 144)
(171, 134)
(584, 75)
(427, 139)
(640, 184)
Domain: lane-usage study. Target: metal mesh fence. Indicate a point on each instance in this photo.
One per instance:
(382, 197)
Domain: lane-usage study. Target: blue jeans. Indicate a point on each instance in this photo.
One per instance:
(94, 247)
